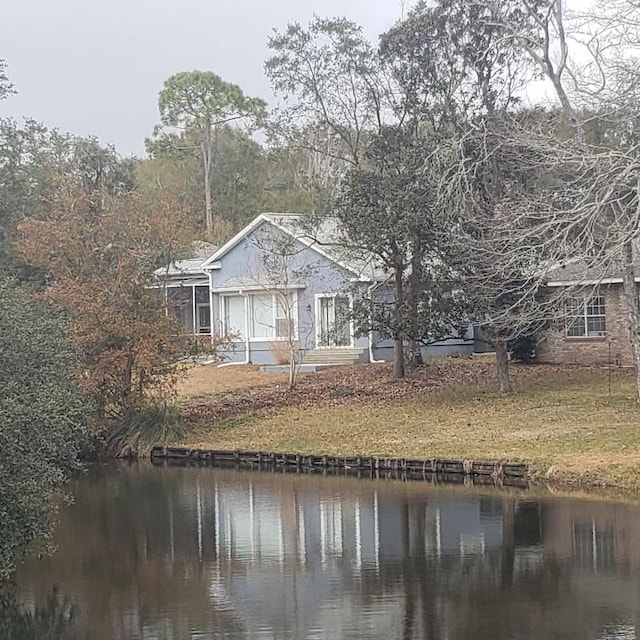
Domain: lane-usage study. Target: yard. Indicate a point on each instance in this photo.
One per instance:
(574, 424)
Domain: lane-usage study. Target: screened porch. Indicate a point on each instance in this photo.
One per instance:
(191, 305)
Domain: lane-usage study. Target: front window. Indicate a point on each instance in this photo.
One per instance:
(271, 315)
(261, 315)
(586, 315)
(233, 315)
(284, 314)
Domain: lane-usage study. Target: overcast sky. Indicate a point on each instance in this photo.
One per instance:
(96, 66)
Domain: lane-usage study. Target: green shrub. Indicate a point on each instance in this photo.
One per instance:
(42, 418)
(523, 349)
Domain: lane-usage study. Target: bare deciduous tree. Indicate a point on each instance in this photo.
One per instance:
(280, 269)
(596, 85)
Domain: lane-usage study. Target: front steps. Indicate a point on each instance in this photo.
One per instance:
(332, 357)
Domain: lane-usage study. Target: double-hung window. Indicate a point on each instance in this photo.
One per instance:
(233, 314)
(585, 315)
(284, 308)
(261, 315)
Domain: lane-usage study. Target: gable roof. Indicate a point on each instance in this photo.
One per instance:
(324, 240)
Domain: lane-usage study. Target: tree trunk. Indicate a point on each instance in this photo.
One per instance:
(502, 366)
(630, 294)
(398, 357)
(292, 365)
(207, 153)
(398, 341)
(415, 282)
(567, 107)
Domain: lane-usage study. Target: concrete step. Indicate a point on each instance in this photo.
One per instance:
(333, 356)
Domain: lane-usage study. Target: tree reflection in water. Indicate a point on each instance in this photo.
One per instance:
(51, 620)
(175, 553)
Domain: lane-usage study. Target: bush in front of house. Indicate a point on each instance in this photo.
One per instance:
(523, 349)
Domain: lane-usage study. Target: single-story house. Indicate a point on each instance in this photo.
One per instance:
(274, 283)
(594, 329)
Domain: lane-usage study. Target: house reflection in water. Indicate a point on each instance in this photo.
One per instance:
(366, 530)
(328, 551)
(321, 559)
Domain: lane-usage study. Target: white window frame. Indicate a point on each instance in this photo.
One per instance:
(293, 312)
(251, 297)
(274, 311)
(223, 314)
(587, 299)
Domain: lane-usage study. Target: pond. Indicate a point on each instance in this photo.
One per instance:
(173, 553)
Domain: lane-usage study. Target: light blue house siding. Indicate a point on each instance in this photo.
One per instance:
(307, 276)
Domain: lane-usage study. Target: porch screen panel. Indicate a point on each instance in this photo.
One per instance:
(203, 310)
(180, 304)
(262, 325)
(202, 295)
(234, 317)
(203, 318)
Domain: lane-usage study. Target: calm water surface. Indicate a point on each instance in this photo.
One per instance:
(188, 553)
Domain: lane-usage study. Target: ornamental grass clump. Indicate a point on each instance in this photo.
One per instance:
(137, 431)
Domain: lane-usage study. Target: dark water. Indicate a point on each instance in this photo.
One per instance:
(186, 553)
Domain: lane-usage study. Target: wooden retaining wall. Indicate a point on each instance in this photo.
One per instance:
(516, 474)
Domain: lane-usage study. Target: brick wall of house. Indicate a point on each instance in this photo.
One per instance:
(555, 347)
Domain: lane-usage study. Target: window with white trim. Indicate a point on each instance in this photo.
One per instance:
(585, 315)
(271, 315)
(233, 316)
(261, 315)
(284, 315)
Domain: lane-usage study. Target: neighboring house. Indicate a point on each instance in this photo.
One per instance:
(273, 283)
(595, 328)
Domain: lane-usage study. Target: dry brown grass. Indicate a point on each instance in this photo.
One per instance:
(206, 380)
(280, 351)
(562, 420)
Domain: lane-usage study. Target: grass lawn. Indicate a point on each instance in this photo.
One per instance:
(563, 420)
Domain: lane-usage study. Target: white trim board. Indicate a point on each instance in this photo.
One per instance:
(586, 283)
(257, 288)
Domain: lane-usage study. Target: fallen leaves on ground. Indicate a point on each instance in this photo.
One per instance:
(355, 385)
